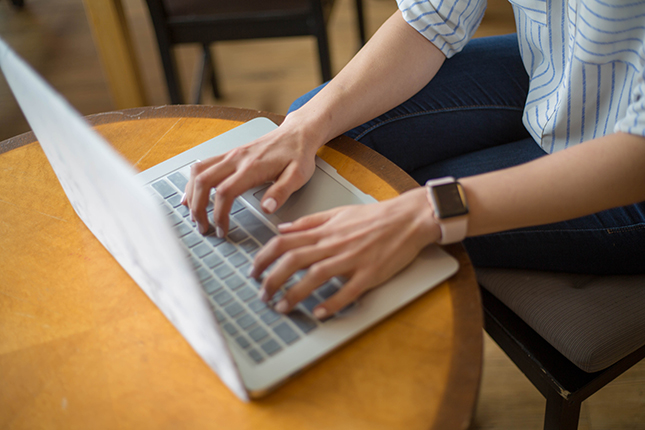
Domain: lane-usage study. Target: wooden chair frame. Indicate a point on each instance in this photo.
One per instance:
(248, 25)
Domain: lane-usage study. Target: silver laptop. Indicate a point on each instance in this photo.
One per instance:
(199, 281)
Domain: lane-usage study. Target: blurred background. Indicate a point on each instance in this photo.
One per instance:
(54, 36)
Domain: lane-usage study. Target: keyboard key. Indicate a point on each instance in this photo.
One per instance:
(256, 356)
(183, 229)
(213, 260)
(245, 321)
(179, 180)
(202, 250)
(286, 333)
(237, 259)
(229, 328)
(258, 333)
(182, 210)
(226, 249)
(241, 340)
(203, 274)
(254, 283)
(223, 297)
(174, 219)
(194, 262)
(214, 240)
(327, 290)
(247, 293)
(254, 226)
(164, 188)
(219, 316)
(211, 286)
(192, 239)
(302, 321)
(270, 316)
(244, 268)
(234, 309)
(310, 303)
(234, 282)
(271, 347)
(237, 206)
(237, 235)
(249, 246)
(257, 306)
(223, 271)
(174, 201)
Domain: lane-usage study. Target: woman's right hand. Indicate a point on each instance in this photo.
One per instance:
(285, 156)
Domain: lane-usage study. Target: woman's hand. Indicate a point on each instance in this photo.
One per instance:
(366, 244)
(285, 156)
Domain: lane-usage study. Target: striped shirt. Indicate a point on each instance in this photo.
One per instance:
(585, 58)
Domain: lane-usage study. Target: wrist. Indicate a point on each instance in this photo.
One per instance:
(312, 127)
(426, 229)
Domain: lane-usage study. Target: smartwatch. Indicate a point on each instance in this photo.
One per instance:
(448, 200)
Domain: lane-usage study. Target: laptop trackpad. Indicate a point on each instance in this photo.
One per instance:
(322, 192)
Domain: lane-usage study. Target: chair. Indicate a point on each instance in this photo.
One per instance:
(569, 334)
(207, 21)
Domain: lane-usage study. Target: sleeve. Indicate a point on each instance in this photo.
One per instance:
(448, 24)
(634, 120)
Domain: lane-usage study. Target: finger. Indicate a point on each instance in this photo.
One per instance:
(203, 180)
(294, 255)
(348, 293)
(319, 273)
(307, 222)
(196, 168)
(289, 181)
(226, 193)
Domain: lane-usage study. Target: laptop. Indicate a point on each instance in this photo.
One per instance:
(199, 281)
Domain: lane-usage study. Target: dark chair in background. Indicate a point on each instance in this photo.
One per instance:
(569, 334)
(207, 21)
(18, 3)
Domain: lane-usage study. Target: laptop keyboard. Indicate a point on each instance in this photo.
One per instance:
(222, 265)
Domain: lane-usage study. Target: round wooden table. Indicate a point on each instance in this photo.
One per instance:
(83, 347)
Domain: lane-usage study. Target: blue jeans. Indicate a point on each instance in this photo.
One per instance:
(468, 120)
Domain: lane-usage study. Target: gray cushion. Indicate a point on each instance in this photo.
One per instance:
(594, 321)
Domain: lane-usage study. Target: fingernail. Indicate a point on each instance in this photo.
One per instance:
(320, 313)
(264, 296)
(183, 199)
(250, 273)
(282, 306)
(269, 205)
(202, 228)
(284, 225)
(219, 232)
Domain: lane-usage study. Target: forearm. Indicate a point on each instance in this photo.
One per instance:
(394, 65)
(600, 174)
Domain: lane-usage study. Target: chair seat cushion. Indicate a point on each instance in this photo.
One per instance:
(594, 321)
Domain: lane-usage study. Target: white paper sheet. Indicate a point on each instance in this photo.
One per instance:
(105, 194)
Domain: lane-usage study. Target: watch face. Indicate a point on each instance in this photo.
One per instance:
(450, 200)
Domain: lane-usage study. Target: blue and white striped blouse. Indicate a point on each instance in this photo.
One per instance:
(586, 60)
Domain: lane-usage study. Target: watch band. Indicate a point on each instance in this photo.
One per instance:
(453, 227)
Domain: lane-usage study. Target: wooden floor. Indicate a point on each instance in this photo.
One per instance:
(54, 37)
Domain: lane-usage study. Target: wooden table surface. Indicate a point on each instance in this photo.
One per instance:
(81, 346)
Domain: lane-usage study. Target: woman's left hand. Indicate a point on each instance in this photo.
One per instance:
(365, 244)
